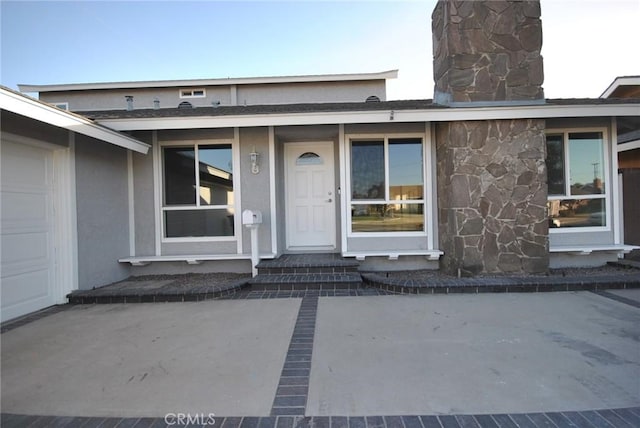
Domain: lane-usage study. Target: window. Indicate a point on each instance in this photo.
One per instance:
(576, 171)
(198, 196)
(309, 158)
(192, 93)
(387, 185)
(61, 105)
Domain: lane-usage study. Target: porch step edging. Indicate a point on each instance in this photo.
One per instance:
(306, 281)
(504, 284)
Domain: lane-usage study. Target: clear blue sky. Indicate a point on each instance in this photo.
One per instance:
(586, 43)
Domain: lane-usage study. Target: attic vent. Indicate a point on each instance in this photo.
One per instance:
(373, 99)
(185, 105)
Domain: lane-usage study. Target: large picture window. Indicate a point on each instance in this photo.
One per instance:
(576, 172)
(198, 198)
(387, 185)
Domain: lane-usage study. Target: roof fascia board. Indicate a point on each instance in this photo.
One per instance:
(629, 145)
(29, 107)
(620, 81)
(380, 116)
(391, 74)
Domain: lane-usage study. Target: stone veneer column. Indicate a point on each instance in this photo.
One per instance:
(487, 51)
(492, 189)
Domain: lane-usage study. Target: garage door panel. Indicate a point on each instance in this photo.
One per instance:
(26, 165)
(25, 210)
(25, 293)
(23, 251)
(27, 260)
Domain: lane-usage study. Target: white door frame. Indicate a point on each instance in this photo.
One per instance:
(310, 146)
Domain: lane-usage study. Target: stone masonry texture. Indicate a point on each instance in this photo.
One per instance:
(492, 177)
(487, 51)
(492, 195)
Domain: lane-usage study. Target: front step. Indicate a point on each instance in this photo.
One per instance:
(306, 281)
(307, 264)
(307, 272)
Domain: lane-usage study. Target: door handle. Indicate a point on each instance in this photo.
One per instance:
(329, 200)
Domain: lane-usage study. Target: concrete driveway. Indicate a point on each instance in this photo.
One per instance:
(149, 359)
(372, 355)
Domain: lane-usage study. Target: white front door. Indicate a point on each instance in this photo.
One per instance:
(310, 197)
(27, 257)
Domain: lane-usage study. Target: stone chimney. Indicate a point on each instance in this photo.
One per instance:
(487, 51)
(492, 177)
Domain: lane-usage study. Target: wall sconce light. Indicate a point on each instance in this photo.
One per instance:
(253, 156)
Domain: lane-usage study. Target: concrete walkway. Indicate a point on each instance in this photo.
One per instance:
(544, 359)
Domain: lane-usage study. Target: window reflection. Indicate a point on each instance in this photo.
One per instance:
(179, 176)
(387, 218)
(405, 169)
(586, 163)
(198, 223)
(216, 176)
(367, 170)
(576, 213)
(199, 178)
(555, 164)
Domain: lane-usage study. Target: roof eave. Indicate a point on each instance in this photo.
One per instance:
(376, 116)
(390, 74)
(620, 81)
(32, 108)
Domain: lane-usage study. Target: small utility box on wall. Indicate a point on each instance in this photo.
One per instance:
(253, 220)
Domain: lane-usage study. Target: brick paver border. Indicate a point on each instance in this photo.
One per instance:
(293, 388)
(608, 418)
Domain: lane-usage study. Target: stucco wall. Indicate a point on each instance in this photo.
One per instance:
(255, 187)
(102, 212)
(315, 92)
(144, 215)
(391, 243)
(275, 93)
(114, 99)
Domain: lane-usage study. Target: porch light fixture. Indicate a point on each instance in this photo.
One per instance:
(253, 157)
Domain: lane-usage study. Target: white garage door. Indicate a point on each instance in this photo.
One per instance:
(27, 258)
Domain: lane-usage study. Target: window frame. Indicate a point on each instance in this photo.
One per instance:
(64, 105)
(385, 137)
(236, 191)
(606, 174)
(192, 91)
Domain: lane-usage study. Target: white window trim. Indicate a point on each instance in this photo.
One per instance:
(182, 96)
(60, 105)
(606, 175)
(347, 196)
(160, 189)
